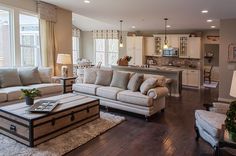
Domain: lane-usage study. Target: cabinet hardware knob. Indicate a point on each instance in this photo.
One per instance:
(88, 110)
(53, 122)
(72, 118)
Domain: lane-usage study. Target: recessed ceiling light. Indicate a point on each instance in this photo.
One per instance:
(204, 11)
(168, 26)
(86, 1)
(213, 26)
(209, 20)
(133, 27)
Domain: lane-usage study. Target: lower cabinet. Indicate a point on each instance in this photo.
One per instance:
(191, 77)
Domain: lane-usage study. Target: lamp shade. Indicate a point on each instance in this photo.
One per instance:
(63, 59)
(233, 86)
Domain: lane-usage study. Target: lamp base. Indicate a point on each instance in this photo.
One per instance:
(64, 71)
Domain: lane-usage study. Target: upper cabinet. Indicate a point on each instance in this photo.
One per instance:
(194, 47)
(149, 46)
(135, 49)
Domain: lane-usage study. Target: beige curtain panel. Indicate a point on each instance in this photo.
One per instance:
(105, 34)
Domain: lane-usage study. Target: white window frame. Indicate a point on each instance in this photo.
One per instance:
(75, 48)
(106, 51)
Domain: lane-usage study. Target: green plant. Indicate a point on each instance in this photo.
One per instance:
(32, 93)
(230, 122)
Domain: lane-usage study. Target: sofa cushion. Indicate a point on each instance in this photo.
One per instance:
(47, 88)
(9, 77)
(45, 74)
(3, 97)
(120, 79)
(85, 88)
(104, 77)
(136, 98)
(210, 122)
(161, 80)
(29, 75)
(90, 75)
(108, 92)
(148, 84)
(135, 82)
(13, 93)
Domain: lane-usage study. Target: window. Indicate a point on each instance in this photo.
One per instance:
(106, 51)
(75, 46)
(29, 40)
(6, 45)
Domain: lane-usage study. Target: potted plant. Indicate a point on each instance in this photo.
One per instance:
(29, 95)
(230, 122)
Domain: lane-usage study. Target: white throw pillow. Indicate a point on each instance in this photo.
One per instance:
(29, 75)
(9, 77)
(135, 82)
(148, 84)
(45, 74)
(104, 77)
(90, 75)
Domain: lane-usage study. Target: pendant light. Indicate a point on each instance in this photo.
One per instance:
(121, 39)
(165, 41)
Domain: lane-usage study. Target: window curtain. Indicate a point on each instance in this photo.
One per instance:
(47, 14)
(105, 34)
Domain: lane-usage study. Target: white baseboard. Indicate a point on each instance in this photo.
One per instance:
(225, 99)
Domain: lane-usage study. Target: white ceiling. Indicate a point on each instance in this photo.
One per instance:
(147, 15)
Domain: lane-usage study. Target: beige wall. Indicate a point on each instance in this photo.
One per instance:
(227, 36)
(87, 45)
(63, 33)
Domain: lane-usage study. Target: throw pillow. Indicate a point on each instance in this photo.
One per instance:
(9, 77)
(120, 79)
(45, 74)
(148, 84)
(29, 75)
(135, 82)
(104, 77)
(90, 75)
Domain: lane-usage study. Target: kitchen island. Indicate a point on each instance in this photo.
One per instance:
(174, 74)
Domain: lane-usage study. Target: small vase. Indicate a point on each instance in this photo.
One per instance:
(232, 136)
(29, 100)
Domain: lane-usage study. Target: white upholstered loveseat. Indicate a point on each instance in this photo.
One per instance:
(12, 80)
(125, 99)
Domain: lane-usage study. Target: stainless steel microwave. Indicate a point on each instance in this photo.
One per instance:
(171, 52)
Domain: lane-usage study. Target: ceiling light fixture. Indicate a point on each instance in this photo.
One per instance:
(168, 26)
(121, 39)
(209, 20)
(133, 27)
(165, 41)
(213, 26)
(86, 1)
(204, 11)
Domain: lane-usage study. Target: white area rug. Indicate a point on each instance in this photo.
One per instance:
(63, 143)
(210, 85)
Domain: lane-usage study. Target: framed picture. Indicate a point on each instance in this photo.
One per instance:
(232, 52)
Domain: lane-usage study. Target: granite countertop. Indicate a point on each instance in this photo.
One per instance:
(174, 67)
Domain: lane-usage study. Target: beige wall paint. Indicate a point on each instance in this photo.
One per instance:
(63, 34)
(87, 45)
(227, 36)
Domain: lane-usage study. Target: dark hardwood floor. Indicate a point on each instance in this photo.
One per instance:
(167, 134)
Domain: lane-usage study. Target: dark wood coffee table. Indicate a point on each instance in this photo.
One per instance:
(32, 129)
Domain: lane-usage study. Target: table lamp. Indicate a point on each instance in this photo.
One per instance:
(64, 59)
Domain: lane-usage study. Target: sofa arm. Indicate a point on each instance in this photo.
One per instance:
(157, 92)
(219, 107)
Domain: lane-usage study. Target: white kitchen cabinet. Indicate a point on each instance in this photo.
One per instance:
(194, 47)
(173, 41)
(135, 49)
(149, 46)
(191, 77)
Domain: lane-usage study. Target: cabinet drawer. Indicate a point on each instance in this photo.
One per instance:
(68, 82)
(68, 89)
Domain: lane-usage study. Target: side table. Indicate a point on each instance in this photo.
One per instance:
(67, 83)
(224, 141)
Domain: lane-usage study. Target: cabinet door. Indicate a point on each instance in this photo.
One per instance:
(194, 78)
(185, 77)
(194, 47)
(183, 46)
(130, 48)
(149, 46)
(138, 51)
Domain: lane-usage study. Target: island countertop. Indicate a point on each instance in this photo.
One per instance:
(174, 74)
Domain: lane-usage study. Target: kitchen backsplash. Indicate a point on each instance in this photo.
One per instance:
(182, 62)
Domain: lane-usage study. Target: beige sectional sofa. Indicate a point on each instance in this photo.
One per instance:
(12, 80)
(123, 98)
